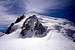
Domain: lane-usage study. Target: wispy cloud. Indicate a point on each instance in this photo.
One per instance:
(5, 18)
(21, 6)
(18, 7)
(42, 5)
(9, 9)
(15, 7)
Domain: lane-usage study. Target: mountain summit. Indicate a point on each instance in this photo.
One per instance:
(34, 25)
(31, 27)
(33, 31)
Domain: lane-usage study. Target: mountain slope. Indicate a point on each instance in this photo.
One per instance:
(38, 32)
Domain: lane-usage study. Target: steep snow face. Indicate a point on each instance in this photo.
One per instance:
(59, 34)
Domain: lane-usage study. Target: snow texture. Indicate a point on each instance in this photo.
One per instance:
(56, 38)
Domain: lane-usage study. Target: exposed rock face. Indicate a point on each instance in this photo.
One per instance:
(33, 28)
(71, 33)
(40, 30)
(11, 28)
(38, 26)
(19, 19)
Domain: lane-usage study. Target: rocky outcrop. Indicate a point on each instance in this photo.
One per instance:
(12, 28)
(40, 30)
(71, 33)
(32, 28)
(9, 29)
(20, 18)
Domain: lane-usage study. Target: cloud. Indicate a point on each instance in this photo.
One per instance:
(42, 5)
(16, 7)
(10, 9)
(5, 18)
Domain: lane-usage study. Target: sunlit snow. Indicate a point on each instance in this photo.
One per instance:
(54, 40)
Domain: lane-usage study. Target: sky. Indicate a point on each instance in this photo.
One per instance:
(11, 9)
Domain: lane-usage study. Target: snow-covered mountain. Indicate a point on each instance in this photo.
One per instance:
(32, 31)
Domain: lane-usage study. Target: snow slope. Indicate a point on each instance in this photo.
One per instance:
(54, 40)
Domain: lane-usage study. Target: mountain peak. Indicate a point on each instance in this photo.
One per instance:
(35, 25)
(30, 13)
(31, 27)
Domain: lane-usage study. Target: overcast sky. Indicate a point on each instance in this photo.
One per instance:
(10, 9)
(20, 6)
